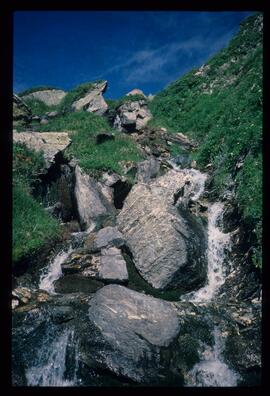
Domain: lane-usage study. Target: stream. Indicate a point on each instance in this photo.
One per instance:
(50, 365)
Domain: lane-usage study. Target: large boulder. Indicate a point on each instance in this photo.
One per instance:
(51, 97)
(51, 143)
(168, 247)
(132, 116)
(93, 101)
(22, 114)
(134, 330)
(92, 204)
(136, 91)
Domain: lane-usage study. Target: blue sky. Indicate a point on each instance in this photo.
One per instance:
(130, 49)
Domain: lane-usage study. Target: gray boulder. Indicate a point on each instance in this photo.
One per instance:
(168, 247)
(109, 236)
(132, 116)
(51, 143)
(50, 97)
(93, 101)
(134, 329)
(92, 204)
(147, 170)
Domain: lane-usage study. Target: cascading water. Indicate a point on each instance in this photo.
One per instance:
(53, 271)
(211, 370)
(50, 369)
(218, 244)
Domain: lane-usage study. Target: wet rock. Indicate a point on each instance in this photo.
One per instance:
(51, 143)
(93, 101)
(75, 283)
(50, 97)
(22, 294)
(147, 170)
(62, 314)
(22, 114)
(76, 262)
(91, 203)
(133, 331)
(168, 247)
(108, 236)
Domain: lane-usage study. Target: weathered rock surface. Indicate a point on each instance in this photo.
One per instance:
(51, 143)
(147, 170)
(136, 91)
(93, 101)
(50, 97)
(134, 328)
(168, 248)
(92, 204)
(108, 236)
(132, 116)
(22, 114)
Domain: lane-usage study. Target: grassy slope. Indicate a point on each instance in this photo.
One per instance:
(32, 226)
(222, 110)
(93, 157)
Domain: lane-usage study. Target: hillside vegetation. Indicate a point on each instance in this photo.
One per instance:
(220, 106)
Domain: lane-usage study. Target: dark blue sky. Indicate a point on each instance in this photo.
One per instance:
(130, 49)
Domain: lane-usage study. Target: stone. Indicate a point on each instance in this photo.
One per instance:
(23, 294)
(93, 101)
(22, 114)
(132, 116)
(52, 114)
(51, 143)
(113, 267)
(168, 246)
(134, 328)
(92, 205)
(44, 121)
(108, 236)
(147, 170)
(136, 92)
(181, 139)
(51, 97)
(76, 263)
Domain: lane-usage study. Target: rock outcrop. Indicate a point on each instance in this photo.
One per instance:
(132, 116)
(51, 97)
(168, 247)
(136, 91)
(92, 204)
(51, 143)
(93, 101)
(134, 329)
(22, 114)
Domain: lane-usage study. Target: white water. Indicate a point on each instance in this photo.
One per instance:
(53, 271)
(211, 370)
(50, 368)
(218, 244)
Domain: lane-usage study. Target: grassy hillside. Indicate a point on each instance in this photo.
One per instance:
(220, 106)
(32, 225)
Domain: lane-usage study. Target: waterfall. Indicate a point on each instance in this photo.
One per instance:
(53, 271)
(211, 370)
(50, 368)
(218, 244)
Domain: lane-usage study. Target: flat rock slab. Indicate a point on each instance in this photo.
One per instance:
(135, 327)
(50, 97)
(51, 143)
(112, 266)
(168, 247)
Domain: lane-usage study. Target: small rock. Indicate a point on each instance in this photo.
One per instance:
(23, 294)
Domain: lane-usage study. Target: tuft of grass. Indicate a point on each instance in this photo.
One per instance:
(38, 107)
(94, 157)
(31, 225)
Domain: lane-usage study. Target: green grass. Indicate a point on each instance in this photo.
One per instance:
(94, 158)
(38, 107)
(36, 89)
(75, 94)
(31, 225)
(226, 122)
